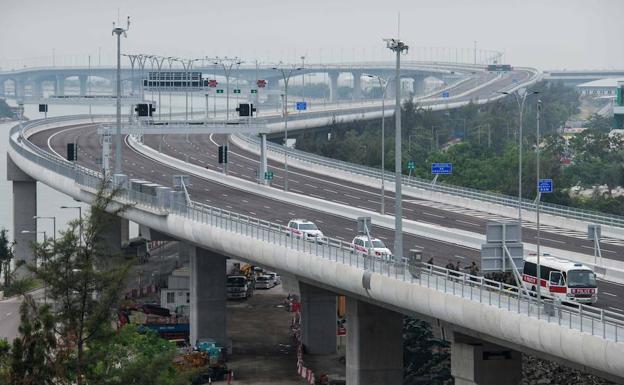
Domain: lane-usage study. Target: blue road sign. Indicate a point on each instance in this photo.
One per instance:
(445, 94)
(441, 168)
(545, 185)
(301, 106)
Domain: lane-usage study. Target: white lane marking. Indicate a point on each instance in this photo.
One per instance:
(352, 196)
(267, 207)
(224, 195)
(207, 189)
(342, 203)
(611, 294)
(348, 229)
(406, 209)
(250, 169)
(467, 223)
(319, 221)
(252, 213)
(317, 196)
(462, 257)
(294, 181)
(330, 191)
(311, 185)
(362, 207)
(289, 213)
(372, 201)
(615, 308)
(245, 201)
(229, 207)
(552, 240)
(433, 215)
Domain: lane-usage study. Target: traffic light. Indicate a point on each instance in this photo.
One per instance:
(145, 109)
(72, 152)
(245, 109)
(223, 154)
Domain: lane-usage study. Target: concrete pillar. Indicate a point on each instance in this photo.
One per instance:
(83, 84)
(357, 85)
(476, 362)
(318, 319)
(333, 86)
(20, 89)
(184, 253)
(114, 234)
(418, 85)
(374, 345)
(59, 90)
(208, 296)
(24, 209)
(390, 88)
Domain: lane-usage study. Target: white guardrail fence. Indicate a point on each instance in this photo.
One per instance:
(597, 322)
(484, 196)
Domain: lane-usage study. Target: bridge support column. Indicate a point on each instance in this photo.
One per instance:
(20, 89)
(374, 345)
(59, 90)
(333, 86)
(318, 318)
(208, 296)
(418, 85)
(357, 85)
(476, 362)
(24, 209)
(83, 85)
(115, 233)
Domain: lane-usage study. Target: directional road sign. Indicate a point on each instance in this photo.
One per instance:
(254, 91)
(219, 91)
(237, 91)
(441, 168)
(268, 175)
(411, 165)
(445, 94)
(301, 106)
(545, 185)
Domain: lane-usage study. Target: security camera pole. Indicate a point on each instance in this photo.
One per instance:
(398, 47)
(119, 31)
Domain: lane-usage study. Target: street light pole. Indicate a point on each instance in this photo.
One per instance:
(79, 223)
(520, 96)
(398, 47)
(119, 31)
(537, 202)
(383, 85)
(53, 225)
(286, 77)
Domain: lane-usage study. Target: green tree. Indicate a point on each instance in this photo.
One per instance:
(425, 357)
(6, 256)
(134, 357)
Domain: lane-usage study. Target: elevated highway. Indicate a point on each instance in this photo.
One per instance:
(233, 216)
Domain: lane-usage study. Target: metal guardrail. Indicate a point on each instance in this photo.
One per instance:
(464, 192)
(598, 322)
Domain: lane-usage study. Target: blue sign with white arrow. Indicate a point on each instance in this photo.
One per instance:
(441, 168)
(545, 185)
(445, 94)
(301, 106)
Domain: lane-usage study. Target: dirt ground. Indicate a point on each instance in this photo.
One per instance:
(263, 347)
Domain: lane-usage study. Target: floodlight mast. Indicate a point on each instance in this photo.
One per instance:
(119, 31)
(398, 47)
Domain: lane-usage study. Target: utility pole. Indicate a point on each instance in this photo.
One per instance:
(119, 31)
(398, 47)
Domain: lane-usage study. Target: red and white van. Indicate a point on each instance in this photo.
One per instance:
(566, 280)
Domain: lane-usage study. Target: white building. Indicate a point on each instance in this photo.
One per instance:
(178, 291)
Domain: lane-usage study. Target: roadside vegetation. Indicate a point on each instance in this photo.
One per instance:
(70, 335)
(482, 143)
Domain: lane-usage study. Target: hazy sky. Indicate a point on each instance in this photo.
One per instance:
(546, 34)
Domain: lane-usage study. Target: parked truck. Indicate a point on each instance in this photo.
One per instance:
(239, 287)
